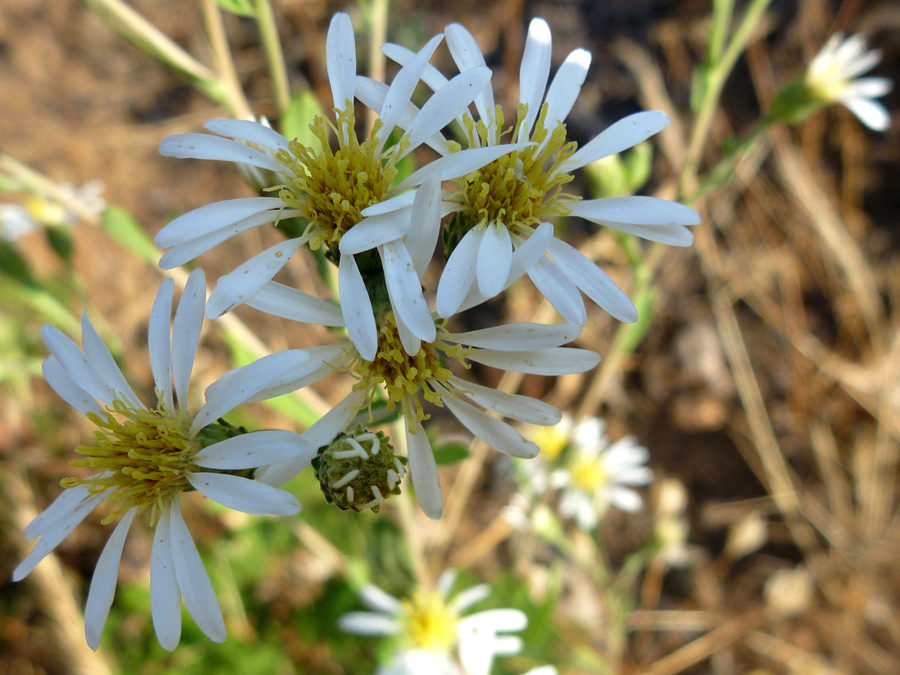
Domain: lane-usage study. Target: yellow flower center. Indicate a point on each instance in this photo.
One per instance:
(142, 455)
(551, 440)
(430, 624)
(587, 474)
(330, 187)
(521, 189)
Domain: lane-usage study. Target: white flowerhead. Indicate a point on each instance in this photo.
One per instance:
(833, 77)
(38, 211)
(146, 457)
(595, 474)
(431, 627)
(505, 203)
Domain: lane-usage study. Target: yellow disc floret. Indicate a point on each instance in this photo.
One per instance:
(142, 456)
(588, 473)
(430, 624)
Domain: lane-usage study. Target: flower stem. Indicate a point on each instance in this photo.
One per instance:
(268, 31)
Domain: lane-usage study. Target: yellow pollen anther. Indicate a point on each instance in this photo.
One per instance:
(430, 624)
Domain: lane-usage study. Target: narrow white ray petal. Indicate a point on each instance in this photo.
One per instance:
(103, 362)
(672, 235)
(494, 259)
(340, 57)
(392, 205)
(190, 248)
(319, 434)
(159, 339)
(402, 88)
(424, 473)
(431, 76)
(238, 286)
(186, 333)
(249, 451)
(214, 217)
(495, 620)
(368, 623)
(356, 308)
(566, 86)
(67, 500)
(425, 223)
(193, 581)
(445, 582)
(243, 494)
(411, 343)
(165, 598)
(406, 292)
(459, 164)
(637, 209)
(459, 273)
(204, 146)
(70, 392)
(860, 65)
(290, 303)
(76, 365)
(466, 53)
(103, 583)
(496, 433)
(314, 370)
(624, 498)
(871, 113)
(521, 408)
(375, 231)
(252, 132)
(233, 389)
(60, 529)
(533, 72)
(376, 599)
(559, 291)
(594, 282)
(446, 104)
(624, 134)
(468, 597)
(868, 87)
(636, 475)
(555, 361)
(519, 336)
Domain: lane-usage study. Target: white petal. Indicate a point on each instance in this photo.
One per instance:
(423, 469)
(868, 87)
(533, 72)
(566, 86)
(236, 287)
(237, 386)
(248, 451)
(214, 217)
(243, 494)
(425, 223)
(519, 336)
(340, 57)
(367, 623)
(470, 596)
(372, 95)
(76, 365)
(159, 339)
(459, 273)
(593, 281)
(431, 76)
(496, 433)
(556, 361)
(467, 55)
(204, 146)
(521, 408)
(252, 132)
(60, 529)
(496, 620)
(494, 259)
(624, 134)
(70, 392)
(445, 582)
(165, 598)
(356, 307)
(103, 583)
(102, 361)
(193, 581)
(376, 599)
(375, 231)
(559, 291)
(872, 114)
(68, 500)
(290, 303)
(186, 333)
(406, 292)
(636, 475)
(391, 205)
(322, 361)
(459, 164)
(624, 498)
(319, 434)
(637, 209)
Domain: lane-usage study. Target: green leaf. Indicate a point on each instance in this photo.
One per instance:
(297, 117)
(451, 453)
(239, 7)
(119, 223)
(15, 266)
(60, 240)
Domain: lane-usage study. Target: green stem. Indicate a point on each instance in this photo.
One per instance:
(723, 11)
(268, 31)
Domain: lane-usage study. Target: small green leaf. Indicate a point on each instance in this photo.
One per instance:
(450, 454)
(15, 266)
(60, 240)
(239, 7)
(297, 117)
(119, 223)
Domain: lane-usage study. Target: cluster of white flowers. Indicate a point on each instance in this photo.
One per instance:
(503, 191)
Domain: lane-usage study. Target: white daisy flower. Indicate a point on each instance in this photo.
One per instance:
(833, 77)
(503, 204)
(596, 475)
(431, 630)
(145, 457)
(409, 371)
(334, 191)
(39, 211)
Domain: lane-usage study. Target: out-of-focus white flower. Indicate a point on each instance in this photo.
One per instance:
(38, 211)
(596, 474)
(146, 457)
(833, 77)
(432, 631)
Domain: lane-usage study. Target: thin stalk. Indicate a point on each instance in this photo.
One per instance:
(268, 32)
(723, 11)
(215, 31)
(377, 37)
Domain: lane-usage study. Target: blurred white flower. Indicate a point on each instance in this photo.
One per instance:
(833, 74)
(38, 211)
